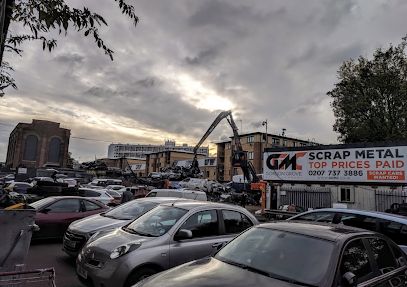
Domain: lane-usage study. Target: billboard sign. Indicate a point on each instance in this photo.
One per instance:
(357, 165)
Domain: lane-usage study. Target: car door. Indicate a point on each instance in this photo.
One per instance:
(389, 264)
(206, 238)
(55, 218)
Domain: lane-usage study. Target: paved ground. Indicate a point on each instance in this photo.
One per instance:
(49, 254)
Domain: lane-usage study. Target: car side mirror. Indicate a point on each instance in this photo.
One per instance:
(183, 234)
(349, 279)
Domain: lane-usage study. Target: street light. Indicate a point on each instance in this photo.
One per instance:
(264, 123)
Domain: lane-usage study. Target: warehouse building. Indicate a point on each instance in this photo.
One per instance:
(38, 144)
(141, 150)
(254, 144)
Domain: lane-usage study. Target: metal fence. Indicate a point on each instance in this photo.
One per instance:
(31, 278)
(385, 198)
(307, 197)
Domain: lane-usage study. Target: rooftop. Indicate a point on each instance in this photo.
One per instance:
(272, 135)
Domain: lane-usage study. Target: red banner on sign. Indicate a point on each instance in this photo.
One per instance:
(385, 175)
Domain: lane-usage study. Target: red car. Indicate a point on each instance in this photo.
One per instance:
(54, 214)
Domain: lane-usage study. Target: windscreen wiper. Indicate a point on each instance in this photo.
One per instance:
(271, 275)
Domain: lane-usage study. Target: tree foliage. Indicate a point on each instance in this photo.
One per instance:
(40, 17)
(370, 99)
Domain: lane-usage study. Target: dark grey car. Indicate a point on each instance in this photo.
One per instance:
(167, 236)
(288, 254)
(81, 230)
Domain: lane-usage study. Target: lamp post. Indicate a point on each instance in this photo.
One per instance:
(264, 123)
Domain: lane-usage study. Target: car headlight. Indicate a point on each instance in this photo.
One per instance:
(124, 249)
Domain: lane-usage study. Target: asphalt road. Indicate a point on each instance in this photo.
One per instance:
(49, 254)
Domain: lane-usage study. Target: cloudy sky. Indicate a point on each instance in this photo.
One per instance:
(187, 60)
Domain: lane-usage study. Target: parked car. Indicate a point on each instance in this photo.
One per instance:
(81, 230)
(6, 179)
(105, 182)
(98, 194)
(19, 187)
(115, 187)
(294, 254)
(54, 214)
(393, 226)
(117, 197)
(166, 236)
(181, 193)
(139, 191)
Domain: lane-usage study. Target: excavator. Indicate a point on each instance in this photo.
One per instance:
(239, 156)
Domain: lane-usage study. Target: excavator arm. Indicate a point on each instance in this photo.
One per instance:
(239, 156)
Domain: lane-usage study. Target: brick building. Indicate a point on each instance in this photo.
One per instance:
(157, 160)
(38, 144)
(254, 144)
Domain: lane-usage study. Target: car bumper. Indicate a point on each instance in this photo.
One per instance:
(113, 273)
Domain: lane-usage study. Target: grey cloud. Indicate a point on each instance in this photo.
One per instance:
(68, 58)
(272, 59)
(203, 57)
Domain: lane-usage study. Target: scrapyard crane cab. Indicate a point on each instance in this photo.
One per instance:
(239, 156)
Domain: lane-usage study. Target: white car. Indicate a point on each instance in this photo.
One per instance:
(101, 195)
(115, 187)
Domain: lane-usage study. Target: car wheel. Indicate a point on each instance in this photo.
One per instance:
(139, 275)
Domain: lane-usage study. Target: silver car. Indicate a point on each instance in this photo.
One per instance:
(81, 230)
(391, 225)
(167, 236)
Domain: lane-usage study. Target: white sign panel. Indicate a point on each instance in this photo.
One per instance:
(376, 165)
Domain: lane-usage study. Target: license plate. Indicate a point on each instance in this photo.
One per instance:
(81, 272)
(70, 243)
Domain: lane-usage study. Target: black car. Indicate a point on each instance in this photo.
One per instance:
(295, 254)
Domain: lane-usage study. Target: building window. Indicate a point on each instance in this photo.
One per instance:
(54, 150)
(227, 146)
(284, 142)
(294, 144)
(30, 148)
(276, 141)
(250, 139)
(250, 155)
(347, 194)
(235, 171)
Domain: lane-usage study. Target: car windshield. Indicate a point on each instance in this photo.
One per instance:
(131, 210)
(282, 255)
(157, 222)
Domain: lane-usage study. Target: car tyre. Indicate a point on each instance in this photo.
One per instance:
(139, 275)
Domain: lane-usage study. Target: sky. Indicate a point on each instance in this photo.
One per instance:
(188, 60)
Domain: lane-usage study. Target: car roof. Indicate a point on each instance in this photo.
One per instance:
(190, 204)
(160, 200)
(184, 190)
(331, 232)
(377, 214)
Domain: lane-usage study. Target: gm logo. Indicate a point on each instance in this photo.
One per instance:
(283, 161)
